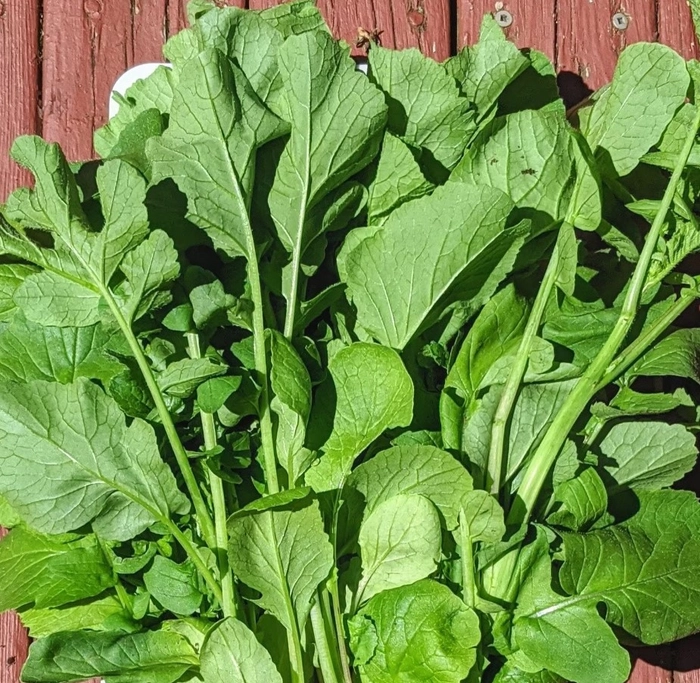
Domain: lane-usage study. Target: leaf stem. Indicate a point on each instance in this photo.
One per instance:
(216, 485)
(587, 385)
(323, 650)
(495, 467)
(267, 437)
(203, 516)
(340, 629)
(468, 575)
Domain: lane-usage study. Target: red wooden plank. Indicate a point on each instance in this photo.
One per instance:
(533, 23)
(653, 665)
(424, 24)
(587, 43)
(19, 106)
(676, 27)
(13, 644)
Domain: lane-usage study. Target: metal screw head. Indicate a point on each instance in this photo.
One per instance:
(620, 21)
(503, 18)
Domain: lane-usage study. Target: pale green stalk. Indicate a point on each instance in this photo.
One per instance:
(216, 485)
(203, 517)
(468, 574)
(323, 649)
(495, 467)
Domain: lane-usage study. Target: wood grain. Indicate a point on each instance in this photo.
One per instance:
(19, 74)
(424, 24)
(587, 43)
(675, 27)
(533, 22)
(13, 644)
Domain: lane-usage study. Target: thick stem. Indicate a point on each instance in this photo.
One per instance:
(268, 440)
(588, 384)
(323, 649)
(216, 486)
(585, 389)
(340, 630)
(495, 469)
(468, 574)
(203, 516)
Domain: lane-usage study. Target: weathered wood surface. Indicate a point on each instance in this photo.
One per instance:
(56, 82)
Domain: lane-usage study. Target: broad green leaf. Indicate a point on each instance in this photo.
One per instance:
(12, 275)
(586, 205)
(649, 86)
(487, 68)
(153, 656)
(153, 92)
(373, 393)
(149, 269)
(547, 625)
(676, 355)
(291, 403)
(182, 377)
(233, 654)
(413, 470)
(216, 125)
(293, 18)
(30, 351)
(647, 455)
(484, 515)
(131, 143)
(580, 501)
(425, 106)
(279, 548)
(93, 615)
(650, 577)
(212, 394)
(527, 155)
(55, 301)
(628, 403)
(510, 673)
(67, 459)
(421, 632)
(48, 571)
(495, 334)
(338, 118)
(8, 515)
(397, 180)
(399, 544)
(173, 585)
(431, 250)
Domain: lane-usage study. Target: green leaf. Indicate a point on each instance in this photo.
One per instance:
(413, 470)
(232, 653)
(429, 252)
(12, 275)
(647, 455)
(49, 299)
(398, 179)
(93, 468)
(279, 548)
(510, 673)
(216, 125)
(212, 394)
(676, 355)
(628, 403)
(581, 501)
(487, 68)
(435, 117)
(421, 632)
(547, 625)
(173, 585)
(338, 118)
(293, 18)
(8, 516)
(527, 155)
(484, 516)
(93, 615)
(399, 543)
(649, 85)
(373, 393)
(291, 386)
(48, 572)
(153, 656)
(650, 579)
(182, 377)
(30, 351)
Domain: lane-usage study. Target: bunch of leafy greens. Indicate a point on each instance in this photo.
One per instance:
(319, 376)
